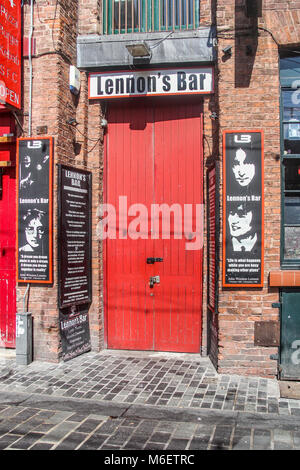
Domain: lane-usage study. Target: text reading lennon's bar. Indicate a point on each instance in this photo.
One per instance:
(151, 82)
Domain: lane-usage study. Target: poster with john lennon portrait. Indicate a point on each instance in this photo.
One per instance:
(243, 209)
(34, 189)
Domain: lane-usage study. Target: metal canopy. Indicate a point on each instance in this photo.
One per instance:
(99, 52)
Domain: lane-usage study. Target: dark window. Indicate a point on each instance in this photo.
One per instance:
(291, 209)
(291, 121)
(290, 149)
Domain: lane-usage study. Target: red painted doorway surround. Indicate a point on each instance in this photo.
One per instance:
(154, 155)
(7, 236)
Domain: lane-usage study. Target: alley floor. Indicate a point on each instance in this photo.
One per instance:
(117, 400)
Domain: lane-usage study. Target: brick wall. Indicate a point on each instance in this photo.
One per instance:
(249, 99)
(246, 96)
(55, 30)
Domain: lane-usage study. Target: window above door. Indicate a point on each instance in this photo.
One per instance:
(137, 16)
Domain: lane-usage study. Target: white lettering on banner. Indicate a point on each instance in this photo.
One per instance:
(151, 82)
(9, 18)
(12, 40)
(7, 93)
(242, 139)
(35, 144)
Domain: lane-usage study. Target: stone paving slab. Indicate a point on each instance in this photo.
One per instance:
(37, 423)
(160, 379)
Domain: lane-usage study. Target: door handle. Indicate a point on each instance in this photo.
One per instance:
(154, 280)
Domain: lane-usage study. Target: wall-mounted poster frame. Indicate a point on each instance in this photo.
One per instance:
(74, 236)
(243, 208)
(35, 210)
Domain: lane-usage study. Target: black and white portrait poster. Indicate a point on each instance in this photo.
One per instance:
(34, 192)
(243, 209)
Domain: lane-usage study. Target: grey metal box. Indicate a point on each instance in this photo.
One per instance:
(23, 338)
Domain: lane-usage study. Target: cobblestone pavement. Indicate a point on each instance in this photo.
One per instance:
(117, 400)
(35, 422)
(163, 379)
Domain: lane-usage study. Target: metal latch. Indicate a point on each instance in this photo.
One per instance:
(154, 260)
(154, 280)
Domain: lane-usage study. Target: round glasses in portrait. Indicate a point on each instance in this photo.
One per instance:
(34, 230)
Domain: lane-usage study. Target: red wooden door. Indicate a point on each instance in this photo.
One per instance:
(154, 157)
(7, 240)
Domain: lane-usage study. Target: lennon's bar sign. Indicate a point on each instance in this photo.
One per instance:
(163, 82)
(34, 196)
(243, 208)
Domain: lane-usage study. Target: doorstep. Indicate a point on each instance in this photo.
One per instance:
(289, 389)
(7, 353)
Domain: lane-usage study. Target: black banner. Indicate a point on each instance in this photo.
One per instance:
(243, 209)
(74, 331)
(74, 247)
(34, 234)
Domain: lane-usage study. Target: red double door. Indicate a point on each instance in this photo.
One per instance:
(7, 237)
(154, 157)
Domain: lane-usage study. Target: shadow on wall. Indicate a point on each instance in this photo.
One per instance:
(246, 40)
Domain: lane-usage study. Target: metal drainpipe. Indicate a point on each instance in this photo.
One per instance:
(30, 101)
(24, 319)
(30, 68)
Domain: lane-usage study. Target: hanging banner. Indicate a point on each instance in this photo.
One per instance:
(10, 52)
(213, 230)
(74, 239)
(34, 220)
(162, 82)
(243, 208)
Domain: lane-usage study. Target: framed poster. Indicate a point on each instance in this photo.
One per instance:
(11, 53)
(213, 234)
(74, 238)
(243, 208)
(34, 217)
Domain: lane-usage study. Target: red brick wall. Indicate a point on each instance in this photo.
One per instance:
(246, 97)
(249, 99)
(55, 29)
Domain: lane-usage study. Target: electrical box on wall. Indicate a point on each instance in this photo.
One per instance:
(74, 80)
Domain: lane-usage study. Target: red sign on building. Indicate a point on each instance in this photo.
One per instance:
(10, 52)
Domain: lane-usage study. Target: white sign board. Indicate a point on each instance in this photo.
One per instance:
(163, 82)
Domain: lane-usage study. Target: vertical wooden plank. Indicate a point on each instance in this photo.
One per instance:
(178, 179)
(8, 240)
(130, 324)
(7, 260)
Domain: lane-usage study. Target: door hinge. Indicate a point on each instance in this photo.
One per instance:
(276, 305)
